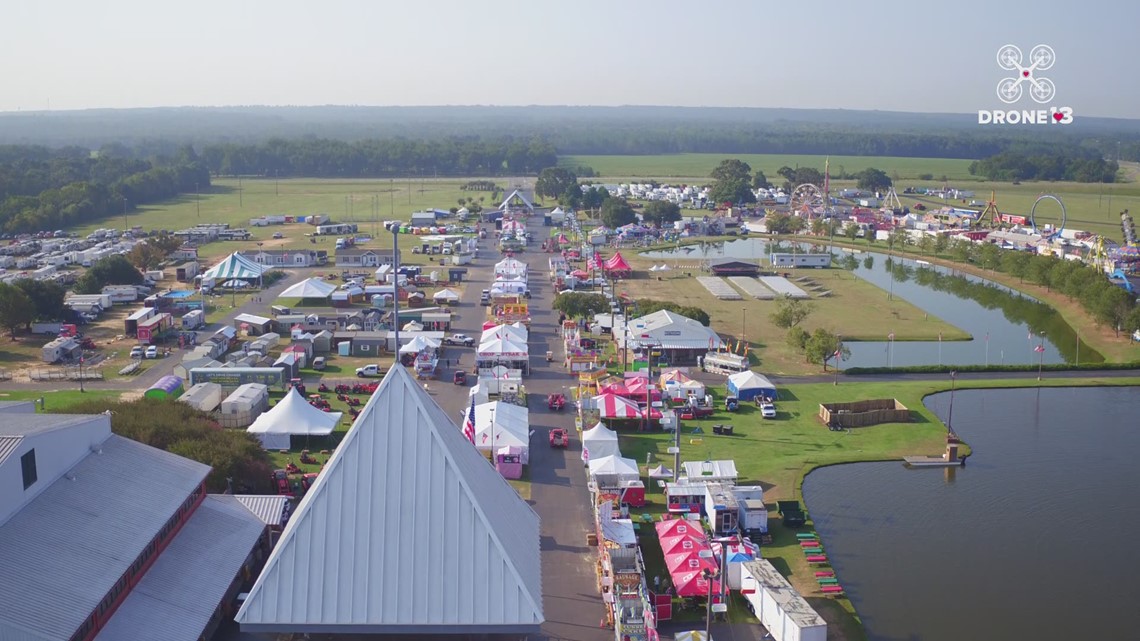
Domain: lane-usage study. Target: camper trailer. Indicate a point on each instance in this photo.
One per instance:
(725, 363)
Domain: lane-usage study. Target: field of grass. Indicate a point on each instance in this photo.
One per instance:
(698, 166)
(779, 453)
(856, 310)
(343, 200)
(55, 400)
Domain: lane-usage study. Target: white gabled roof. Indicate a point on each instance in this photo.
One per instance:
(408, 530)
(309, 288)
(516, 194)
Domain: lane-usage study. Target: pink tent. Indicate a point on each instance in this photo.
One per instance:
(681, 543)
(640, 388)
(689, 560)
(653, 413)
(614, 406)
(578, 273)
(617, 389)
(690, 583)
(617, 263)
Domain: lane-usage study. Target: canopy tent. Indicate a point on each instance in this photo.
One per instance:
(413, 326)
(690, 583)
(515, 331)
(674, 375)
(691, 635)
(508, 287)
(617, 389)
(599, 442)
(748, 385)
(613, 406)
(610, 471)
(309, 288)
(617, 265)
(689, 559)
(503, 346)
(660, 472)
(511, 426)
(234, 266)
(673, 533)
(445, 296)
(235, 284)
(292, 416)
(639, 387)
(420, 345)
(580, 273)
(510, 267)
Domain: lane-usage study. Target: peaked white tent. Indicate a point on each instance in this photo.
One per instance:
(511, 427)
(234, 266)
(309, 288)
(612, 470)
(516, 194)
(292, 416)
(502, 347)
(599, 442)
(445, 296)
(748, 385)
(419, 345)
(510, 267)
(516, 331)
(450, 546)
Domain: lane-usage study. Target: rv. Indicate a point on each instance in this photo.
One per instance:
(725, 363)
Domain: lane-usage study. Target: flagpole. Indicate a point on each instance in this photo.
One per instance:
(1040, 355)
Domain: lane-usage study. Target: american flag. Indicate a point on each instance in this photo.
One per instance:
(469, 423)
(1039, 348)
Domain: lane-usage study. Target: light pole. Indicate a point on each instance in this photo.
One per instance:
(838, 355)
(260, 282)
(1040, 355)
(743, 324)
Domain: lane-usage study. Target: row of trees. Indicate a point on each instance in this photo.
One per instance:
(1014, 165)
(60, 190)
(25, 301)
(395, 157)
(818, 346)
(182, 430)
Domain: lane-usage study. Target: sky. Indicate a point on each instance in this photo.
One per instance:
(887, 55)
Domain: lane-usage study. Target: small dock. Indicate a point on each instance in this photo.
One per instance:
(949, 459)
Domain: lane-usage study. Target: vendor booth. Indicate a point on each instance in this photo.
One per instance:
(599, 442)
(748, 385)
(510, 427)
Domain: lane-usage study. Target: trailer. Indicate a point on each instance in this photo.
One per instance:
(186, 271)
(780, 609)
(194, 319)
(152, 328)
(121, 293)
(131, 323)
(46, 328)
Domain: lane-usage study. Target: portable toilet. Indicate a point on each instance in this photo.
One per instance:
(344, 348)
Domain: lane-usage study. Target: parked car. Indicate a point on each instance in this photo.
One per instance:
(278, 234)
(768, 410)
(152, 351)
(137, 351)
(369, 370)
(459, 378)
(319, 363)
(459, 339)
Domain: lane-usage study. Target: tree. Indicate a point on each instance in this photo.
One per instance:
(646, 306)
(553, 182)
(796, 224)
(112, 270)
(760, 181)
(790, 312)
(941, 242)
(617, 212)
(593, 197)
(183, 430)
(145, 256)
(732, 182)
(16, 309)
(661, 212)
(581, 304)
(873, 179)
(797, 339)
(851, 231)
(925, 243)
(46, 298)
(823, 345)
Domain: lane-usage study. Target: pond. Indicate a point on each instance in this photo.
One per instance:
(1031, 540)
(1007, 326)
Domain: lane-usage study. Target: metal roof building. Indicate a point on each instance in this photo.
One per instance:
(408, 530)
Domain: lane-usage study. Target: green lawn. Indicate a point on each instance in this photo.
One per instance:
(779, 453)
(58, 399)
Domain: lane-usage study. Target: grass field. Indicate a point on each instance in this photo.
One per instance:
(779, 453)
(698, 166)
(343, 200)
(856, 310)
(55, 400)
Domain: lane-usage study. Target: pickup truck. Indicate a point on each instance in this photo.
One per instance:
(459, 339)
(369, 370)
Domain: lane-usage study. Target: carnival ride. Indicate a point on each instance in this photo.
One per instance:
(807, 201)
(1055, 232)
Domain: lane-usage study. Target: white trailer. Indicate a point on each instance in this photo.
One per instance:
(194, 319)
(778, 606)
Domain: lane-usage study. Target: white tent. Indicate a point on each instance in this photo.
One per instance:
(413, 326)
(511, 427)
(309, 288)
(516, 331)
(508, 287)
(292, 416)
(445, 296)
(502, 347)
(612, 470)
(748, 385)
(235, 284)
(599, 442)
(419, 345)
(510, 267)
(479, 393)
(234, 266)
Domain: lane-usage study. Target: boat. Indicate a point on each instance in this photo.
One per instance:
(832, 589)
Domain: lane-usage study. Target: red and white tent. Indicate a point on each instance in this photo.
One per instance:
(617, 265)
(614, 406)
(690, 583)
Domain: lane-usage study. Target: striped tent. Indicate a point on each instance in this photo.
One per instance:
(234, 266)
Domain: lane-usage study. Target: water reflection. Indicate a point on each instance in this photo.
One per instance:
(1006, 325)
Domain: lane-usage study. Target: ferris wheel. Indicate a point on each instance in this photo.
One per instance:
(807, 201)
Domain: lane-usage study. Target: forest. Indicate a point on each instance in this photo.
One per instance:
(45, 189)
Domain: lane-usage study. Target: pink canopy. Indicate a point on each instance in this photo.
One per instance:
(618, 389)
(578, 273)
(563, 239)
(614, 406)
(690, 583)
(617, 263)
(678, 528)
(689, 560)
(653, 413)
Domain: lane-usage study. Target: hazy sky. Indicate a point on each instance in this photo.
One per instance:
(885, 54)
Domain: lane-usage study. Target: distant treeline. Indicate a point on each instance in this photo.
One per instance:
(1081, 165)
(397, 157)
(45, 189)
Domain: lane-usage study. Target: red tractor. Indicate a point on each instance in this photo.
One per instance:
(559, 438)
